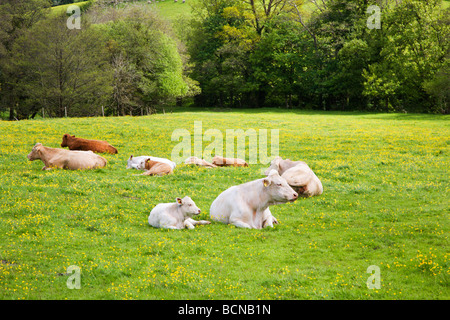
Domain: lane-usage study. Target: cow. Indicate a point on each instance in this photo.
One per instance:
(175, 215)
(229, 162)
(75, 143)
(199, 162)
(139, 162)
(247, 205)
(66, 159)
(154, 168)
(298, 175)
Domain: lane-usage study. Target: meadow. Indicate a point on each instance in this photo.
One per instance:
(385, 204)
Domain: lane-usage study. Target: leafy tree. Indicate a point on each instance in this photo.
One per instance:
(147, 64)
(16, 16)
(61, 69)
(413, 49)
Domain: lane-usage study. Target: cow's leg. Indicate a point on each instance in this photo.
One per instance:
(239, 223)
(268, 219)
(195, 222)
(188, 224)
(239, 218)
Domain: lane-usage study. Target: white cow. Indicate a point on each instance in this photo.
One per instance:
(298, 175)
(139, 162)
(175, 215)
(247, 205)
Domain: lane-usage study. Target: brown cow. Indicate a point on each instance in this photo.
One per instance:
(229, 162)
(156, 168)
(66, 159)
(84, 144)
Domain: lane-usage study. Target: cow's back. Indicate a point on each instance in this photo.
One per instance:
(79, 160)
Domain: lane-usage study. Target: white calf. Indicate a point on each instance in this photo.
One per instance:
(175, 215)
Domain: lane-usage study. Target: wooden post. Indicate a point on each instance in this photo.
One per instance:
(42, 113)
(103, 112)
(65, 111)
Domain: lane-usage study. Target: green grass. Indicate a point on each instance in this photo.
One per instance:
(168, 9)
(385, 203)
(58, 9)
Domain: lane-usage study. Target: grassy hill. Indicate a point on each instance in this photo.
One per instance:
(385, 203)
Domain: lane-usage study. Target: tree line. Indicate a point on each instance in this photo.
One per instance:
(273, 53)
(126, 59)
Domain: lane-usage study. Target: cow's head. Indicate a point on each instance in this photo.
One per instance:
(278, 189)
(274, 165)
(65, 141)
(149, 163)
(130, 162)
(303, 180)
(188, 207)
(35, 152)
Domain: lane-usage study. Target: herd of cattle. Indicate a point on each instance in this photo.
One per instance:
(245, 205)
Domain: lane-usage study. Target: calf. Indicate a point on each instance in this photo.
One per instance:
(154, 168)
(66, 159)
(75, 143)
(247, 205)
(298, 175)
(139, 162)
(199, 162)
(175, 215)
(229, 162)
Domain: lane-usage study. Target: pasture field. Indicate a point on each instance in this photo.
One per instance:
(385, 204)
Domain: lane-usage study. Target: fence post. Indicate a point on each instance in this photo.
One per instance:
(103, 112)
(42, 113)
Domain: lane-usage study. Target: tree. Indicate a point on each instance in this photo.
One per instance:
(147, 64)
(414, 45)
(61, 69)
(16, 16)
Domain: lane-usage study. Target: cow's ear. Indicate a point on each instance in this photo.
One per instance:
(266, 182)
(179, 201)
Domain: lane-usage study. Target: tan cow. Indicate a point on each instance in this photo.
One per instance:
(199, 162)
(66, 159)
(155, 168)
(75, 143)
(229, 162)
(298, 175)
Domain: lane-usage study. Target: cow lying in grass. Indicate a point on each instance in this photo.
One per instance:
(229, 162)
(154, 168)
(75, 143)
(66, 159)
(175, 215)
(139, 162)
(247, 205)
(199, 162)
(298, 175)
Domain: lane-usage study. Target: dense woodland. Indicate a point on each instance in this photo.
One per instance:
(127, 59)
